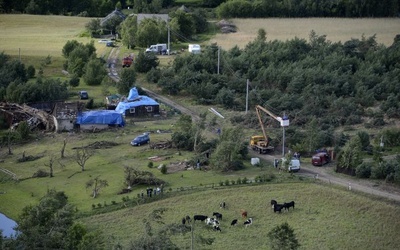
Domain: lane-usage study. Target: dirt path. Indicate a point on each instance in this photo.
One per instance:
(327, 174)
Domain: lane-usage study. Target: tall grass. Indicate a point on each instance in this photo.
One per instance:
(335, 29)
(324, 218)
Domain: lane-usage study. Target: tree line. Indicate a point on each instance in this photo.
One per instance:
(307, 8)
(223, 8)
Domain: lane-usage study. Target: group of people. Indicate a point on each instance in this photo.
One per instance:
(150, 191)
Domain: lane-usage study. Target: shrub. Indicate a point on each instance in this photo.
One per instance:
(244, 180)
(363, 170)
(163, 169)
(150, 164)
(221, 183)
(40, 173)
(23, 130)
(30, 71)
(93, 206)
(239, 181)
(227, 183)
(233, 182)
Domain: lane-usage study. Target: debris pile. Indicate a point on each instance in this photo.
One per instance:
(36, 119)
(226, 26)
(161, 145)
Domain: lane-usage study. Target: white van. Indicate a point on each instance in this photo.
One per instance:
(294, 165)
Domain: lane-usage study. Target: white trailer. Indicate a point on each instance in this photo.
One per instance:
(194, 48)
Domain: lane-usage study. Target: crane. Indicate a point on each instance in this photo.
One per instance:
(261, 143)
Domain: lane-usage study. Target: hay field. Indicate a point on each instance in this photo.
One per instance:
(39, 36)
(336, 29)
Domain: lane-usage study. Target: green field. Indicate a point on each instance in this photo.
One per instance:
(325, 217)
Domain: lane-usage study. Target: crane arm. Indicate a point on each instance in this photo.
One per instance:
(284, 122)
(261, 122)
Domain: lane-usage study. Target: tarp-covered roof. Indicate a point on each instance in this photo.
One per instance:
(109, 117)
(134, 100)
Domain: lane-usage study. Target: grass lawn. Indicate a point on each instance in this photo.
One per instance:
(324, 218)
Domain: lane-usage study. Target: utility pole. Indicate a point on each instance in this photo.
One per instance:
(218, 60)
(169, 37)
(247, 95)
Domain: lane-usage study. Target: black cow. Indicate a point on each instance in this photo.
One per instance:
(234, 222)
(248, 222)
(200, 217)
(222, 205)
(287, 205)
(278, 207)
(217, 215)
(273, 202)
(183, 221)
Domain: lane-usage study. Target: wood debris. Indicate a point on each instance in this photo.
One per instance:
(36, 119)
(161, 145)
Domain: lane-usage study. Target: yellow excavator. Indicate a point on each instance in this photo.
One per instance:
(260, 143)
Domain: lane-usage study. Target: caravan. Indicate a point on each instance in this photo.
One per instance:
(194, 48)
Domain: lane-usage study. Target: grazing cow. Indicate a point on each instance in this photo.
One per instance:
(287, 205)
(244, 214)
(188, 220)
(273, 202)
(217, 228)
(222, 205)
(248, 222)
(278, 208)
(209, 221)
(234, 222)
(200, 217)
(217, 215)
(183, 221)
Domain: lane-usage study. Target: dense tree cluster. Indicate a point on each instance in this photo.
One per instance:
(183, 26)
(15, 87)
(50, 225)
(307, 8)
(336, 83)
(350, 157)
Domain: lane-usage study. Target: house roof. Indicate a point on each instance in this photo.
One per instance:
(141, 17)
(134, 100)
(115, 14)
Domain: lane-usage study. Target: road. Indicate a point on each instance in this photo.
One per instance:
(325, 173)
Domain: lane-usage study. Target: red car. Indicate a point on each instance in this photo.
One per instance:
(320, 159)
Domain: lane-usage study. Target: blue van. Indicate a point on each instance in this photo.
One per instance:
(141, 139)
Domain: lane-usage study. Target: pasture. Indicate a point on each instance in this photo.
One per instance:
(335, 29)
(324, 217)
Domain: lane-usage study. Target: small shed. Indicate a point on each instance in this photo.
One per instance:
(138, 105)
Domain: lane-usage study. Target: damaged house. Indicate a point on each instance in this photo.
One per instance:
(138, 105)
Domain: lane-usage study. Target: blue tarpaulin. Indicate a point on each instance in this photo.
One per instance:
(109, 117)
(134, 100)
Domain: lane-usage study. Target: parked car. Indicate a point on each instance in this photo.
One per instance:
(293, 166)
(320, 159)
(83, 95)
(141, 139)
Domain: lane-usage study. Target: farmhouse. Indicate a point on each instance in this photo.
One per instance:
(138, 105)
